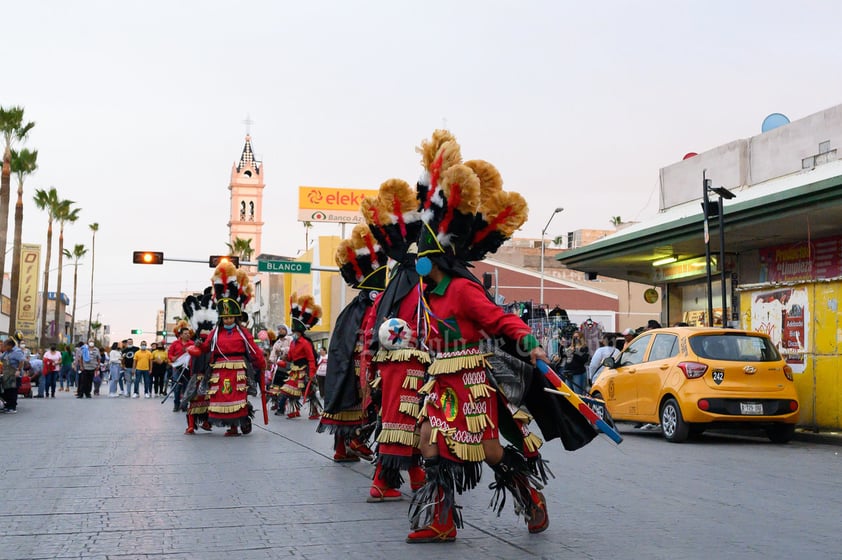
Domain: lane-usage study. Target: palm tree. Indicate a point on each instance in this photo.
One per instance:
(47, 200)
(24, 163)
(94, 227)
(242, 248)
(559, 240)
(96, 325)
(14, 129)
(78, 252)
(616, 221)
(307, 226)
(64, 213)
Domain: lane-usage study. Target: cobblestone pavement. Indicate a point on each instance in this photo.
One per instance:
(117, 479)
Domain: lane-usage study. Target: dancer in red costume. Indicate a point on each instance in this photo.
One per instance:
(302, 355)
(202, 316)
(467, 215)
(362, 264)
(398, 365)
(230, 346)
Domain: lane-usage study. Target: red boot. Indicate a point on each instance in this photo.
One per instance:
(442, 528)
(191, 425)
(361, 450)
(539, 519)
(340, 454)
(417, 477)
(380, 491)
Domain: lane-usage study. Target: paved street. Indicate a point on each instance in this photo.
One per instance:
(116, 478)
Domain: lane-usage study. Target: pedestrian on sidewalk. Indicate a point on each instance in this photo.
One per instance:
(128, 366)
(159, 368)
(142, 365)
(67, 376)
(114, 370)
(52, 363)
(12, 359)
(36, 374)
(89, 366)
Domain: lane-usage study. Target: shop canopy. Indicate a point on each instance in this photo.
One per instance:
(795, 208)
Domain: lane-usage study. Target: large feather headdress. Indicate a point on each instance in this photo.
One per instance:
(362, 260)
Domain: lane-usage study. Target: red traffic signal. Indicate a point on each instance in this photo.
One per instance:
(215, 260)
(148, 257)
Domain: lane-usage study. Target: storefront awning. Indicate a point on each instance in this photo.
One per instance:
(797, 207)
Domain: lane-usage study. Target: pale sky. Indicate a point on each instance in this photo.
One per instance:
(139, 109)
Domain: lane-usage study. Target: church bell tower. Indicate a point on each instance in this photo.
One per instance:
(246, 188)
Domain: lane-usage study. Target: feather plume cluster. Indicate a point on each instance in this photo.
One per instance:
(465, 206)
(304, 309)
(392, 217)
(359, 256)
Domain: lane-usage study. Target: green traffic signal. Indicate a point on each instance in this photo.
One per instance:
(137, 331)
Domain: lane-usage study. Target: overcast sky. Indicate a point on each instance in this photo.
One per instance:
(139, 109)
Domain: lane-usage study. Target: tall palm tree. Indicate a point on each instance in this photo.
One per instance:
(307, 226)
(65, 213)
(242, 248)
(94, 227)
(24, 163)
(95, 326)
(616, 221)
(14, 129)
(47, 200)
(78, 252)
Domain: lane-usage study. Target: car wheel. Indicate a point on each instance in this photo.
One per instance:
(674, 427)
(602, 411)
(780, 433)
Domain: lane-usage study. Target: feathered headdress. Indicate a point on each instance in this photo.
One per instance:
(200, 311)
(465, 211)
(232, 290)
(393, 217)
(362, 260)
(305, 313)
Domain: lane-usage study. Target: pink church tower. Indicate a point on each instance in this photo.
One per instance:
(247, 199)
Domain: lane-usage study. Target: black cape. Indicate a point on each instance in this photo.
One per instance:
(341, 384)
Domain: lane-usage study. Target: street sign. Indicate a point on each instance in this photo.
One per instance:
(290, 267)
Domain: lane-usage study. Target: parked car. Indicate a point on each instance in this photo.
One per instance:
(689, 379)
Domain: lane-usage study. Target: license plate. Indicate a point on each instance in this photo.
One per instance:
(751, 408)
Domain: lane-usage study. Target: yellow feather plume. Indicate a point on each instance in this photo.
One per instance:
(429, 148)
(393, 190)
(469, 188)
(225, 270)
(489, 178)
(451, 154)
(341, 256)
(501, 202)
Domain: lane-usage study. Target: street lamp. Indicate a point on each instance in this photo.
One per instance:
(722, 193)
(543, 234)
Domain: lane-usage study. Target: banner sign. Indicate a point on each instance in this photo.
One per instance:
(816, 260)
(330, 204)
(27, 304)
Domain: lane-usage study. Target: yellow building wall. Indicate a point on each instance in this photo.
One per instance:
(302, 284)
(819, 386)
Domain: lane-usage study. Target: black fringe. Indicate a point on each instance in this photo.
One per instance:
(390, 476)
(438, 495)
(540, 468)
(345, 431)
(513, 473)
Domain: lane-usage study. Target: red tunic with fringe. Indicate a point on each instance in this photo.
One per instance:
(400, 374)
(303, 358)
(228, 385)
(460, 403)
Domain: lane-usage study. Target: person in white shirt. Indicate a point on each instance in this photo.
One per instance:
(114, 370)
(607, 350)
(52, 364)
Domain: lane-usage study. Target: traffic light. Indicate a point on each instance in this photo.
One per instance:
(162, 333)
(137, 331)
(148, 257)
(216, 259)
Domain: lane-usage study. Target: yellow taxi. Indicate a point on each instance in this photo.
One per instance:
(689, 379)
